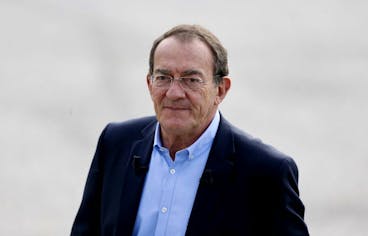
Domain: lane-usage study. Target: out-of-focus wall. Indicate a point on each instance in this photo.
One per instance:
(67, 68)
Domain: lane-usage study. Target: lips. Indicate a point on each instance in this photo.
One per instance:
(176, 108)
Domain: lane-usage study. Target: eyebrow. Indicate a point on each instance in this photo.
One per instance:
(184, 73)
(163, 71)
(192, 72)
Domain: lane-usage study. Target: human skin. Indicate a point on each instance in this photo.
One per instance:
(185, 114)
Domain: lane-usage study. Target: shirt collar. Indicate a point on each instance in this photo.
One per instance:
(203, 143)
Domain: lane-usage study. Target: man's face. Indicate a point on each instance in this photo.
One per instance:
(183, 111)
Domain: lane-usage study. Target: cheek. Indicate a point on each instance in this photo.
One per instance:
(156, 97)
(209, 99)
(201, 104)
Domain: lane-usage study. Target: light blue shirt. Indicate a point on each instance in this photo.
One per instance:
(171, 186)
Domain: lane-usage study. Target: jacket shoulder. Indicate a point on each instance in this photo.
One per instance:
(133, 124)
(117, 131)
(254, 152)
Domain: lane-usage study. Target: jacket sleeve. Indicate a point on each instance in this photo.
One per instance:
(291, 218)
(87, 221)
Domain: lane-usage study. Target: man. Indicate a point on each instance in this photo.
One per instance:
(188, 171)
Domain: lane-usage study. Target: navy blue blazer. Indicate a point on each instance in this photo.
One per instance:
(247, 187)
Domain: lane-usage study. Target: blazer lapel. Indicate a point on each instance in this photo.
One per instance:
(136, 171)
(218, 173)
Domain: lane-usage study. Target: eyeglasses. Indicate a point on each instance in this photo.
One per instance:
(187, 83)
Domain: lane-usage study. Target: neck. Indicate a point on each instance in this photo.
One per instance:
(177, 142)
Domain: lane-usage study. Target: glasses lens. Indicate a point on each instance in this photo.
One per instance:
(162, 81)
(191, 83)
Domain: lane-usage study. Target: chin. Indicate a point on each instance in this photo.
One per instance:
(175, 125)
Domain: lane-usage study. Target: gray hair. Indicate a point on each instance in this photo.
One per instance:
(190, 32)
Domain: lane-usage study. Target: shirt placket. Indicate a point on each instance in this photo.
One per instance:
(168, 191)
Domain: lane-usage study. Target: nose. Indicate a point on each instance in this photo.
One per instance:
(175, 91)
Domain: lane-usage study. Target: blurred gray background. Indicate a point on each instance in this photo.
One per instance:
(68, 67)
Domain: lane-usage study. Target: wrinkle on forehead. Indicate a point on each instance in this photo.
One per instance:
(184, 58)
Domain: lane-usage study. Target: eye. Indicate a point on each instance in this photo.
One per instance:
(162, 78)
(192, 80)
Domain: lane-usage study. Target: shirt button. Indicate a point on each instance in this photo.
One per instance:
(164, 210)
(172, 171)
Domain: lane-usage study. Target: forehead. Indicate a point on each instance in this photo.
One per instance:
(178, 55)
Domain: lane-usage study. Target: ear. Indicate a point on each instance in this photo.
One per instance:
(149, 83)
(222, 89)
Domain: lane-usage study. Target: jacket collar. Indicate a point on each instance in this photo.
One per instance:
(222, 149)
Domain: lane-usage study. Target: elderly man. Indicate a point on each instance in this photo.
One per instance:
(188, 171)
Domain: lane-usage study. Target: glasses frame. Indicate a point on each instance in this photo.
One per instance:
(180, 80)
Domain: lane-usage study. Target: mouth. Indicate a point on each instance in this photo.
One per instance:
(176, 108)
